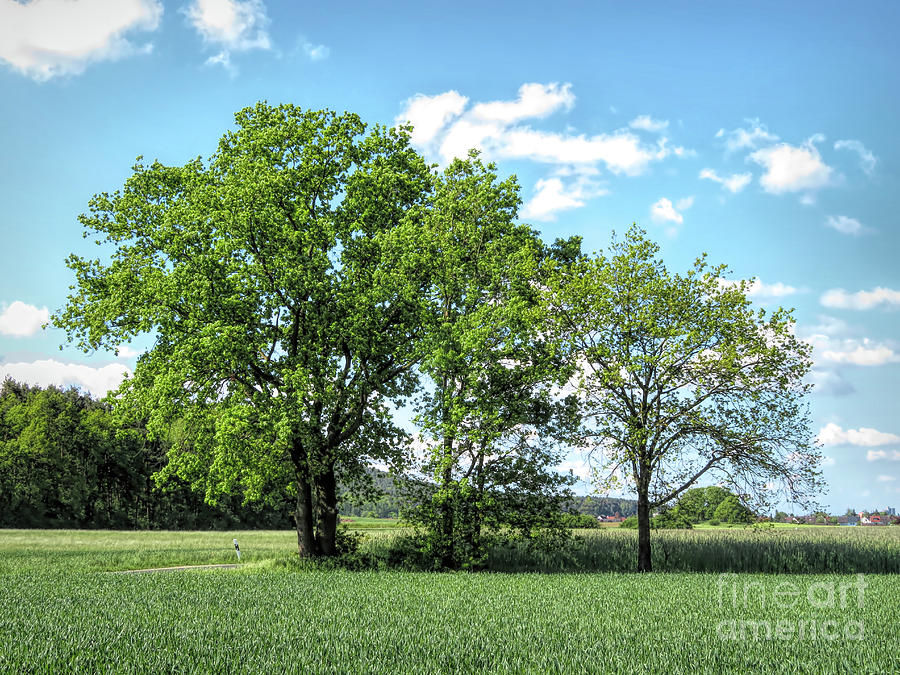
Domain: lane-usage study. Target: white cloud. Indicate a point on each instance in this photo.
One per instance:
(20, 320)
(875, 455)
(534, 101)
(733, 183)
(792, 168)
(754, 136)
(550, 198)
(838, 298)
(620, 151)
(45, 372)
(758, 289)
(885, 479)
(553, 195)
(126, 352)
(48, 38)
(446, 128)
(845, 225)
(867, 160)
(315, 52)
(578, 467)
(430, 114)
(230, 25)
(223, 59)
(663, 211)
(828, 461)
(647, 123)
(833, 434)
(863, 352)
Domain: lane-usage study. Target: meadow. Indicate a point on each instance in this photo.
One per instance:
(63, 611)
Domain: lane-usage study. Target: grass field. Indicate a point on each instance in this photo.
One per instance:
(62, 613)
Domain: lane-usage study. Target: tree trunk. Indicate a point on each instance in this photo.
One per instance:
(448, 560)
(643, 514)
(303, 516)
(476, 506)
(326, 512)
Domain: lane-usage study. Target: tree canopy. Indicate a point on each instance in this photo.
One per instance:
(282, 283)
(679, 377)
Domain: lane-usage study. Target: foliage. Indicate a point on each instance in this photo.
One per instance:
(671, 519)
(730, 510)
(580, 521)
(488, 418)
(283, 284)
(699, 504)
(679, 377)
(66, 461)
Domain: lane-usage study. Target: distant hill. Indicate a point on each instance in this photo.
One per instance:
(388, 505)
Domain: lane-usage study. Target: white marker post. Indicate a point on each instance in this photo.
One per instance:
(237, 548)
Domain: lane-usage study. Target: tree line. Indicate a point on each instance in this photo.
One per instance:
(315, 275)
(66, 461)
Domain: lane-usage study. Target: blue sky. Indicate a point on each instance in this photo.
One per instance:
(764, 135)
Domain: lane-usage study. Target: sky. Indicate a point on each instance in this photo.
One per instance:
(763, 134)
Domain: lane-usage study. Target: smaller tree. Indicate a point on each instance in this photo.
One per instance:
(680, 378)
(489, 419)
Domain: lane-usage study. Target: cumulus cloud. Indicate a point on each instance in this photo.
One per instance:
(846, 225)
(126, 352)
(753, 136)
(534, 101)
(20, 320)
(561, 193)
(48, 38)
(97, 380)
(854, 352)
(763, 291)
(230, 25)
(867, 160)
(621, 152)
(733, 183)
(430, 114)
(663, 211)
(838, 298)
(647, 123)
(833, 434)
(876, 455)
(550, 197)
(790, 168)
(450, 128)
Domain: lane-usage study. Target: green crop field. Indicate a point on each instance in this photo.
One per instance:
(63, 612)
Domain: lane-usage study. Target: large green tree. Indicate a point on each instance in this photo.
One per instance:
(679, 377)
(488, 417)
(282, 284)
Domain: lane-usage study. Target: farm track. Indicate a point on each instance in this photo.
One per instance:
(179, 568)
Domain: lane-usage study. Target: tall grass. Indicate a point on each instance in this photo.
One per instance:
(778, 551)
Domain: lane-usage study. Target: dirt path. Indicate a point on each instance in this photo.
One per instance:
(180, 568)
